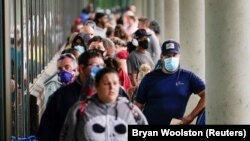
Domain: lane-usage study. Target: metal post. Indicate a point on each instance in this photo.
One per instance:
(6, 70)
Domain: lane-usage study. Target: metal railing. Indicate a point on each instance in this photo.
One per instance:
(31, 33)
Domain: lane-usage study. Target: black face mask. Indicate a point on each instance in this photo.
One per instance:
(144, 44)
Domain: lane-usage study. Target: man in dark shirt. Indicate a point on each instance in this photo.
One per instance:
(163, 93)
(60, 102)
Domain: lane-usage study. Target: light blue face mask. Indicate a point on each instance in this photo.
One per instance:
(171, 64)
(94, 70)
(79, 48)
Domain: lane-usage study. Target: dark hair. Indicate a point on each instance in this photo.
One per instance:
(120, 32)
(153, 25)
(12, 41)
(69, 50)
(130, 47)
(80, 36)
(98, 16)
(87, 55)
(102, 72)
(113, 63)
(143, 20)
(109, 31)
(95, 39)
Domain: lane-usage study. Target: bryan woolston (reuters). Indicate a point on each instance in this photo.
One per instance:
(182, 132)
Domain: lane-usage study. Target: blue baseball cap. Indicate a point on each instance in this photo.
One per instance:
(170, 46)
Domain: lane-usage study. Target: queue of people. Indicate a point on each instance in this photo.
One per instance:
(113, 76)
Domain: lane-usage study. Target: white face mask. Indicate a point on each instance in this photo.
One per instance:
(79, 48)
(171, 64)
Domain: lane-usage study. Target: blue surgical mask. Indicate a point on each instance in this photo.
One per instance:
(79, 48)
(65, 77)
(94, 70)
(171, 64)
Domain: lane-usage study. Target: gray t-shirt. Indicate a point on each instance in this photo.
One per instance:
(136, 59)
(154, 48)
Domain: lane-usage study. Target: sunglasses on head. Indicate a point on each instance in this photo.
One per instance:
(90, 23)
(65, 55)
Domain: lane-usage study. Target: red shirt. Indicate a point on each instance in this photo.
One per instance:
(122, 54)
(124, 79)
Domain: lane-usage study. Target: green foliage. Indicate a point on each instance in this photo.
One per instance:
(109, 4)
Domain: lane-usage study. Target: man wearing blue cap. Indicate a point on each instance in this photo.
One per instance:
(164, 93)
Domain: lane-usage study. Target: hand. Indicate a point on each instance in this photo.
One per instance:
(131, 92)
(186, 120)
(176, 121)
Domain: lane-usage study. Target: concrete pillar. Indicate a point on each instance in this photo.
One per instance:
(139, 7)
(192, 36)
(159, 15)
(150, 9)
(192, 40)
(171, 24)
(227, 61)
(144, 8)
(84, 3)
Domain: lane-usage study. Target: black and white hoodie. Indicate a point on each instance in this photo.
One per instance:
(100, 121)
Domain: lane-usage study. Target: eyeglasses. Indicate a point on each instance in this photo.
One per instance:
(65, 55)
